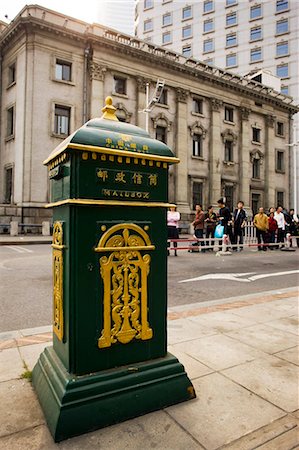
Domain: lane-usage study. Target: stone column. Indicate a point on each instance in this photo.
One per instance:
(97, 76)
(244, 158)
(181, 140)
(270, 199)
(215, 152)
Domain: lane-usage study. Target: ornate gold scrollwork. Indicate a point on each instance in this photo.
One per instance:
(124, 272)
(58, 279)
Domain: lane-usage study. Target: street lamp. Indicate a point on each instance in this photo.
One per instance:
(294, 145)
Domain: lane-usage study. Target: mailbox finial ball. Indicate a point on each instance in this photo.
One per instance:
(108, 100)
(109, 110)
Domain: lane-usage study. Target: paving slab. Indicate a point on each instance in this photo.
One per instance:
(271, 378)
(30, 353)
(19, 408)
(11, 364)
(181, 330)
(286, 441)
(265, 338)
(222, 412)
(260, 314)
(219, 351)
(156, 430)
(291, 355)
(276, 429)
(222, 322)
(287, 304)
(193, 368)
(289, 324)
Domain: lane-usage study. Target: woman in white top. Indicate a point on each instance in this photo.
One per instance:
(173, 218)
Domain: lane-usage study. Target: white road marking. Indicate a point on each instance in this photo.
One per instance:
(236, 276)
(19, 249)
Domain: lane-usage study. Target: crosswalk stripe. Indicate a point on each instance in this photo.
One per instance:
(19, 249)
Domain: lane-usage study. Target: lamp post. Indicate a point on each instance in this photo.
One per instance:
(294, 145)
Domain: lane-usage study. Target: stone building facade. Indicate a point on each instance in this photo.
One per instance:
(230, 133)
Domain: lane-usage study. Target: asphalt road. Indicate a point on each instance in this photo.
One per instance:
(26, 280)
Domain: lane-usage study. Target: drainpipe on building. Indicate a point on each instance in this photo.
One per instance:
(86, 56)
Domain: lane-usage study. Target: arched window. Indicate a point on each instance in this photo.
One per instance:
(161, 126)
(198, 133)
(256, 158)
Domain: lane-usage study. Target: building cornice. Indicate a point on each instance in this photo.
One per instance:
(38, 17)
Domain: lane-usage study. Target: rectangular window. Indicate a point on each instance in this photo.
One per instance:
(197, 189)
(280, 128)
(256, 168)
(208, 25)
(163, 97)
(256, 33)
(282, 49)
(229, 196)
(256, 12)
(231, 39)
(231, 60)
(231, 2)
(120, 85)
(228, 114)
(187, 52)
(255, 203)
(197, 105)
(11, 74)
(148, 4)
(208, 6)
(167, 19)
(280, 161)
(187, 32)
(187, 12)
(256, 134)
(228, 151)
(284, 90)
(62, 120)
(166, 37)
(161, 134)
(280, 198)
(148, 25)
(282, 71)
(231, 19)
(208, 45)
(255, 54)
(197, 145)
(8, 185)
(282, 26)
(282, 5)
(63, 70)
(10, 129)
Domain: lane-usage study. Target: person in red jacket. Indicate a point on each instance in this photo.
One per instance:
(272, 230)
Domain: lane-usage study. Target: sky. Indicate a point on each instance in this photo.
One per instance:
(118, 14)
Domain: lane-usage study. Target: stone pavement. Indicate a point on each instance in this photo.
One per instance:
(241, 354)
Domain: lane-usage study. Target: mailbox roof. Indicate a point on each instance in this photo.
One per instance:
(111, 136)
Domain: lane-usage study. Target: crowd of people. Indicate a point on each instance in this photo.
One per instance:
(227, 226)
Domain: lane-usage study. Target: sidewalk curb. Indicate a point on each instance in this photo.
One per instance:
(27, 242)
(30, 336)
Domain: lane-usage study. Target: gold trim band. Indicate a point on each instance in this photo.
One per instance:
(108, 151)
(119, 249)
(78, 201)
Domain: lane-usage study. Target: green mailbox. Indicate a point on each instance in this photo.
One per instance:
(109, 360)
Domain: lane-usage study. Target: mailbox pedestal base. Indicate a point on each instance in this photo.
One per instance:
(77, 404)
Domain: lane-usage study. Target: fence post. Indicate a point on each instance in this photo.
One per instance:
(46, 228)
(14, 228)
